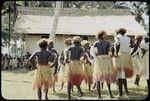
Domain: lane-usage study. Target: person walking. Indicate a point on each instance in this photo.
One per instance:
(103, 65)
(43, 73)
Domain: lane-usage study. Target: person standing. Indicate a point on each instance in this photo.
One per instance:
(136, 57)
(124, 65)
(64, 66)
(14, 63)
(6, 61)
(43, 73)
(75, 71)
(144, 45)
(87, 63)
(2, 62)
(55, 63)
(103, 66)
(10, 62)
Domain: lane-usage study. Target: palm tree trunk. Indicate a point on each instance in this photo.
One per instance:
(9, 31)
(55, 21)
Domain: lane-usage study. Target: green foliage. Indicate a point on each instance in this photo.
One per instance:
(70, 4)
(138, 9)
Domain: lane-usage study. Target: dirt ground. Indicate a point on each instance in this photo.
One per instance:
(17, 84)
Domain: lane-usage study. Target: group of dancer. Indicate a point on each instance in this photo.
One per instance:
(97, 63)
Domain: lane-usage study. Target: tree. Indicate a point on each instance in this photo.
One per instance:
(9, 16)
(138, 9)
(55, 21)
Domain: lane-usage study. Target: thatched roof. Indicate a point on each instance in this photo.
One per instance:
(77, 25)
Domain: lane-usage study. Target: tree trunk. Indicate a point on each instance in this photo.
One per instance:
(9, 31)
(55, 21)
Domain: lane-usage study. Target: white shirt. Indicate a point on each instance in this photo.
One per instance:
(124, 42)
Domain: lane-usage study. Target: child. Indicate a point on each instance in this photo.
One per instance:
(136, 57)
(55, 63)
(64, 66)
(103, 66)
(43, 73)
(75, 71)
(124, 65)
(87, 63)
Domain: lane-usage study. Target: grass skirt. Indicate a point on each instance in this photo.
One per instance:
(88, 73)
(43, 77)
(145, 63)
(137, 64)
(103, 69)
(75, 72)
(123, 64)
(63, 73)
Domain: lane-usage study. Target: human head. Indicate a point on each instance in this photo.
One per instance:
(68, 42)
(121, 31)
(50, 44)
(101, 35)
(42, 43)
(138, 37)
(85, 44)
(77, 40)
(6, 55)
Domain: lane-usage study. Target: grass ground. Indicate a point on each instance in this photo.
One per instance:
(17, 84)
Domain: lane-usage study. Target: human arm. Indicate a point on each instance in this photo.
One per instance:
(31, 59)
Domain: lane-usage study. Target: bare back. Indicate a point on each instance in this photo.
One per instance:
(43, 56)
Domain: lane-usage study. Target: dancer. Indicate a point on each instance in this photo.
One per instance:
(123, 64)
(64, 66)
(103, 66)
(75, 71)
(136, 56)
(145, 60)
(55, 63)
(92, 53)
(43, 73)
(87, 63)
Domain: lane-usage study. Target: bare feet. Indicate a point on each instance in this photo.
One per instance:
(99, 97)
(81, 94)
(46, 98)
(111, 96)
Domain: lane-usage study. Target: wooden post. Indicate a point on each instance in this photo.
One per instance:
(55, 21)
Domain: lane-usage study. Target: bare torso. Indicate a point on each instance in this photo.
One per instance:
(43, 56)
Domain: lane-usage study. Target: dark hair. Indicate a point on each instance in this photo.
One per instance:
(68, 41)
(77, 39)
(42, 43)
(100, 34)
(138, 37)
(121, 31)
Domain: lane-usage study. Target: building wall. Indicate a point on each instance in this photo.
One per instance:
(31, 40)
(31, 45)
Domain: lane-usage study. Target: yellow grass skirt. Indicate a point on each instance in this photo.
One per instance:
(145, 63)
(62, 76)
(55, 76)
(43, 77)
(137, 65)
(124, 60)
(103, 69)
(75, 72)
(88, 73)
